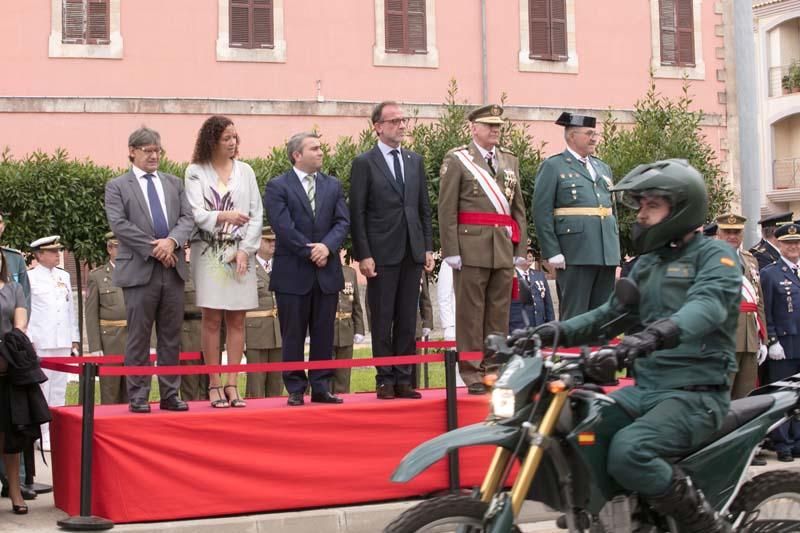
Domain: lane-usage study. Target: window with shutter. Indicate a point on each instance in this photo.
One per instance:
(548, 29)
(406, 27)
(252, 24)
(85, 22)
(677, 32)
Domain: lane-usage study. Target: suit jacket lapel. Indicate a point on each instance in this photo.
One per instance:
(170, 200)
(299, 190)
(377, 157)
(578, 167)
(319, 192)
(136, 191)
(789, 274)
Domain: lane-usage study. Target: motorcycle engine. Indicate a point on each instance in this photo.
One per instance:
(616, 514)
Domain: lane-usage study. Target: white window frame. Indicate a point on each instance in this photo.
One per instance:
(380, 58)
(698, 71)
(276, 54)
(526, 64)
(56, 48)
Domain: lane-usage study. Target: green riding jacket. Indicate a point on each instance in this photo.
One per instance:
(698, 286)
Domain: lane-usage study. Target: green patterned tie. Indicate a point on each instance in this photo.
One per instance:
(311, 191)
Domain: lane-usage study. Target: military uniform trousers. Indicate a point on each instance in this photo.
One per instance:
(263, 384)
(341, 376)
(581, 288)
(194, 387)
(669, 423)
(785, 438)
(483, 300)
(744, 380)
(113, 389)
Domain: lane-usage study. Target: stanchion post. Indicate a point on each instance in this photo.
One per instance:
(425, 364)
(450, 362)
(85, 521)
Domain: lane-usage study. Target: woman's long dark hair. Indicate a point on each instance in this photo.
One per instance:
(208, 137)
(3, 268)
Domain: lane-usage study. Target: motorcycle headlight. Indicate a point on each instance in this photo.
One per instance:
(503, 402)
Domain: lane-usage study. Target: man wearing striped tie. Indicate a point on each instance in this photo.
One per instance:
(310, 219)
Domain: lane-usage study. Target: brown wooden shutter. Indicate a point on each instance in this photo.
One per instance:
(97, 22)
(395, 26)
(685, 29)
(239, 26)
(417, 33)
(73, 17)
(539, 20)
(669, 37)
(558, 30)
(263, 24)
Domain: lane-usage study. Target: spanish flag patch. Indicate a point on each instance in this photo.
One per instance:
(586, 439)
(727, 261)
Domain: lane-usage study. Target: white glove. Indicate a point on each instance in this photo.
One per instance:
(762, 353)
(358, 338)
(776, 352)
(97, 353)
(426, 332)
(454, 262)
(450, 333)
(519, 261)
(558, 261)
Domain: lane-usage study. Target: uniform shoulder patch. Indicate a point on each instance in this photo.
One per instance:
(727, 261)
(12, 250)
(555, 155)
(505, 150)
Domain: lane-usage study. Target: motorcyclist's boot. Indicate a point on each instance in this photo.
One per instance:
(686, 504)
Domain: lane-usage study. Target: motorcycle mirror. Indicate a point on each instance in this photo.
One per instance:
(626, 291)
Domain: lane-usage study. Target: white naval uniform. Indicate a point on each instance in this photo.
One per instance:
(52, 328)
(446, 296)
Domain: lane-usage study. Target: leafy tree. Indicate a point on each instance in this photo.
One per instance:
(663, 128)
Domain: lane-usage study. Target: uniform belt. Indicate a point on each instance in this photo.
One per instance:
(192, 316)
(114, 323)
(342, 316)
(748, 307)
(262, 314)
(705, 388)
(490, 219)
(584, 211)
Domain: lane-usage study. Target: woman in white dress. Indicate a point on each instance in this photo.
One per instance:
(226, 204)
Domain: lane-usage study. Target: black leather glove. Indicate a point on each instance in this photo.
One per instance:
(601, 368)
(548, 332)
(659, 335)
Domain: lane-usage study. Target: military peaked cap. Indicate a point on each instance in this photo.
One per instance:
(788, 232)
(775, 220)
(488, 114)
(710, 229)
(47, 243)
(730, 221)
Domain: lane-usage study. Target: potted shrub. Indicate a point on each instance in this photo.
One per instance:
(786, 84)
(794, 75)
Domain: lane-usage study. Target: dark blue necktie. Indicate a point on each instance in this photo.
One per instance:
(398, 170)
(159, 220)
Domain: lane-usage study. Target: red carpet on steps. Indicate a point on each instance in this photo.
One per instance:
(267, 457)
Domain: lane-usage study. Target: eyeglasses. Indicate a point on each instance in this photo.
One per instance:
(396, 121)
(591, 134)
(151, 151)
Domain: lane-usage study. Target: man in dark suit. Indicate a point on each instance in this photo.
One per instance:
(392, 240)
(150, 216)
(309, 216)
(766, 250)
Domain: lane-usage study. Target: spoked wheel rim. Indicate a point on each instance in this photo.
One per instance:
(777, 508)
(454, 524)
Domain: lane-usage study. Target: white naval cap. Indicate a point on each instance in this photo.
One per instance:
(47, 243)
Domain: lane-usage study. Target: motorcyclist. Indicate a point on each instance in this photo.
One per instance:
(680, 338)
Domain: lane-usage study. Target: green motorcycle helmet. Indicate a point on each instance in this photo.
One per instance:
(683, 187)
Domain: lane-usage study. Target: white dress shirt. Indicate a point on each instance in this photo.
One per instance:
(386, 151)
(139, 173)
(588, 160)
(485, 152)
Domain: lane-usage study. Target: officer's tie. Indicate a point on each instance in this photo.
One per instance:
(588, 166)
(490, 162)
(398, 170)
(311, 191)
(160, 228)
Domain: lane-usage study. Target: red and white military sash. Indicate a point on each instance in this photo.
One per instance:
(490, 187)
(749, 304)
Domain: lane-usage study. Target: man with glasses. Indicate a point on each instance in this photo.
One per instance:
(150, 216)
(106, 322)
(390, 218)
(575, 219)
(483, 231)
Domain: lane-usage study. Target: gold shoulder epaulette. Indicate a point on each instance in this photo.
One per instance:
(506, 150)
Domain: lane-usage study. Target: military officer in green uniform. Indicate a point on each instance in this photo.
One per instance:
(348, 328)
(575, 220)
(17, 269)
(194, 387)
(751, 329)
(482, 227)
(106, 322)
(679, 337)
(766, 250)
(262, 329)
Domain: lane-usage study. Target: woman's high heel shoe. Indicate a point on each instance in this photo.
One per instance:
(19, 509)
(221, 402)
(236, 401)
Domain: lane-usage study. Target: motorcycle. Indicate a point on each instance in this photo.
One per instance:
(550, 417)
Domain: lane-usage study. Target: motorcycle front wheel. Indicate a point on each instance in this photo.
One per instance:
(448, 514)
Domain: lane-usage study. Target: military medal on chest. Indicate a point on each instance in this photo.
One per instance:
(540, 286)
(348, 290)
(510, 182)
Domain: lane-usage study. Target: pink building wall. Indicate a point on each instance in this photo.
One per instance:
(170, 52)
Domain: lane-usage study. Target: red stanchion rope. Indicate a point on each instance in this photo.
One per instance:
(112, 359)
(435, 344)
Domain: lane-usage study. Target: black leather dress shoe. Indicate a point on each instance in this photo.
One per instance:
(295, 398)
(139, 407)
(758, 461)
(476, 388)
(385, 391)
(325, 397)
(173, 403)
(785, 457)
(406, 391)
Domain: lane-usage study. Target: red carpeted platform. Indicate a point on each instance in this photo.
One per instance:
(266, 457)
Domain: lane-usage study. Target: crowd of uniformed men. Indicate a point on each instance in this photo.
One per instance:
(487, 281)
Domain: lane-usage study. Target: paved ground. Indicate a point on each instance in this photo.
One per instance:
(361, 519)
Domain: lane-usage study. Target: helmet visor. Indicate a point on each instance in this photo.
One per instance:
(633, 199)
